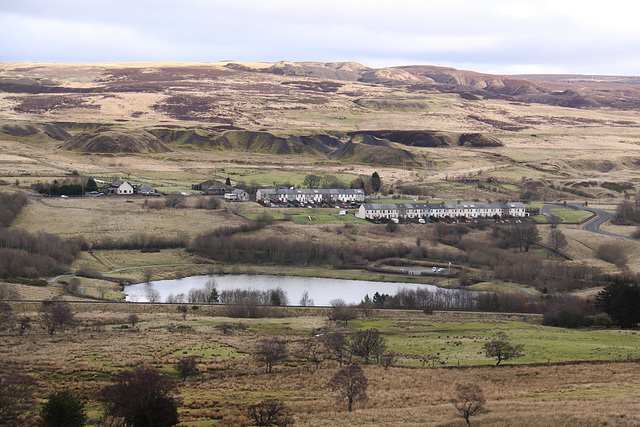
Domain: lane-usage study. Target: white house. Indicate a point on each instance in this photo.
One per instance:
(145, 189)
(120, 187)
(237, 195)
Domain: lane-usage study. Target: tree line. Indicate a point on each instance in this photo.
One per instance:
(10, 207)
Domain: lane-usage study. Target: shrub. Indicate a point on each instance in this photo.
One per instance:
(613, 253)
(141, 397)
(63, 409)
(270, 412)
(569, 316)
(208, 203)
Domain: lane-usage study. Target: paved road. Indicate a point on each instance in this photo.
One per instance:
(594, 225)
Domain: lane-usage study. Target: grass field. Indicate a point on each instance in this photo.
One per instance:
(571, 216)
(405, 394)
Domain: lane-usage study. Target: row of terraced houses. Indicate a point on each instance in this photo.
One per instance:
(305, 195)
(377, 211)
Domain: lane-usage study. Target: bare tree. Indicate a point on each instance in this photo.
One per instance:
(24, 323)
(187, 367)
(388, 359)
(556, 241)
(56, 314)
(336, 344)
(306, 301)
(140, 397)
(152, 295)
(147, 273)
(500, 347)
(311, 351)
(133, 319)
(524, 235)
(341, 312)
(368, 344)
(468, 401)
(350, 383)
(271, 351)
(270, 412)
(174, 201)
(184, 310)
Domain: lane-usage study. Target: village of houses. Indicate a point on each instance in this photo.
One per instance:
(343, 198)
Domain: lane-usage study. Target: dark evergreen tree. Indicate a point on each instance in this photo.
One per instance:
(63, 409)
(91, 185)
(620, 299)
(376, 182)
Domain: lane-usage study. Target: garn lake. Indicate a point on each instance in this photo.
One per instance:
(320, 290)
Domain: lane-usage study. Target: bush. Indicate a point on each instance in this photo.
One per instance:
(270, 412)
(208, 203)
(141, 397)
(613, 253)
(63, 409)
(567, 317)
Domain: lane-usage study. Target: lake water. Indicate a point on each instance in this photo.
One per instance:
(320, 290)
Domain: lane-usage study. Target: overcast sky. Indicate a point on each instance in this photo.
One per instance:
(504, 37)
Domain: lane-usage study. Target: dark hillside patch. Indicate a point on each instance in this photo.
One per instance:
(115, 141)
(49, 103)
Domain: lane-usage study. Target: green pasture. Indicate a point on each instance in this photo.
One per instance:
(461, 342)
(571, 216)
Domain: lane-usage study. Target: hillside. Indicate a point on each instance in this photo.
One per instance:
(559, 131)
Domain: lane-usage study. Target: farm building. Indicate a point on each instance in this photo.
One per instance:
(212, 187)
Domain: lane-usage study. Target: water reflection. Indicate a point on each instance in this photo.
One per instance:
(320, 290)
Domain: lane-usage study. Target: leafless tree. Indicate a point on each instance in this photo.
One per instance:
(556, 241)
(336, 344)
(468, 401)
(311, 350)
(183, 309)
(524, 235)
(388, 359)
(187, 367)
(133, 319)
(140, 397)
(341, 312)
(147, 273)
(270, 351)
(501, 348)
(174, 201)
(350, 383)
(306, 301)
(152, 295)
(368, 344)
(24, 323)
(56, 314)
(270, 412)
